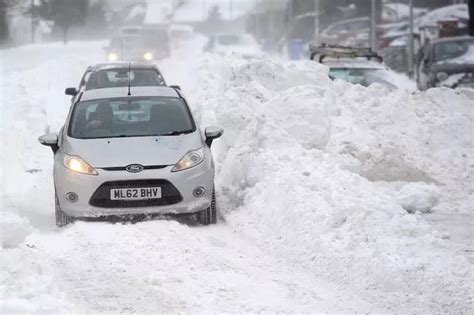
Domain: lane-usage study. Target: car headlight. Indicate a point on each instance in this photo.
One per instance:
(113, 57)
(148, 56)
(76, 164)
(189, 160)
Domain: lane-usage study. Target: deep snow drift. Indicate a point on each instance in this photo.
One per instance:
(317, 179)
(325, 172)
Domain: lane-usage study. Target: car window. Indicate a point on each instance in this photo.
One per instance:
(130, 42)
(131, 117)
(120, 77)
(229, 39)
(452, 50)
(361, 76)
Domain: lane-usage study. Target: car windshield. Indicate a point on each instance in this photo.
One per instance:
(361, 76)
(235, 39)
(130, 43)
(120, 77)
(454, 51)
(130, 117)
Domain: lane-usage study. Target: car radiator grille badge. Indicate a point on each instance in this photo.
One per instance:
(134, 168)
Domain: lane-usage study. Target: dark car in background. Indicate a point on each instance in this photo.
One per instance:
(119, 74)
(447, 62)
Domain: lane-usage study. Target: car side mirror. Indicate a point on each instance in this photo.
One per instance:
(212, 133)
(177, 87)
(50, 140)
(71, 91)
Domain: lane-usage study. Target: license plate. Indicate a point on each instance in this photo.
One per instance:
(135, 193)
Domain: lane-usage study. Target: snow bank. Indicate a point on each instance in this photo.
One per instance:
(418, 197)
(317, 170)
(27, 284)
(32, 83)
(13, 227)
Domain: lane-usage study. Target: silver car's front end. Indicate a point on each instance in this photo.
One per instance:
(186, 191)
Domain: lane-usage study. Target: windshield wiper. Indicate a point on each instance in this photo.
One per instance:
(175, 133)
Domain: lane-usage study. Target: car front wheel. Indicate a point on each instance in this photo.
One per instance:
(208, 216)
(62, 219)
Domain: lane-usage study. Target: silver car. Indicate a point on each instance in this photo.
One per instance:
(129, 152)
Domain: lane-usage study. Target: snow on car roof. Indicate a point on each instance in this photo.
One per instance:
(123, 92)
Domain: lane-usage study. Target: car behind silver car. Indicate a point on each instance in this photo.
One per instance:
(122, 153)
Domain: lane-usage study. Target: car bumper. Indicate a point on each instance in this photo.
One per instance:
(86, 186)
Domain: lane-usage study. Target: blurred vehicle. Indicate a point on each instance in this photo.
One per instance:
(354, 65)
(447, 62)
(132, 151)
(353, 32)
(229, 43)
(145, 44)
(179, 33)
(394, 12)
(108, 75)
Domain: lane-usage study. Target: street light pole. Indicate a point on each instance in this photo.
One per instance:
(373, 25)
(316, 22)
(411, 48)
(32, 21)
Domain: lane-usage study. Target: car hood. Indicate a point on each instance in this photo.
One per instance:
(147, 151)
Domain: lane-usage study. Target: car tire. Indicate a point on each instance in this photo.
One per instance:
(62, 219)
(209, 216)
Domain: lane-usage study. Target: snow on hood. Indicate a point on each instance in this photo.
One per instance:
(116, 152)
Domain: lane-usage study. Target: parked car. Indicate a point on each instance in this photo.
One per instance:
(132, 152)
(447, 62)
(234, 43)
(355, 65)
(107, 75)
(148, 45)
(354, 32)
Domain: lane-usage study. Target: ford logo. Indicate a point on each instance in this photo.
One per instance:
(134, 168)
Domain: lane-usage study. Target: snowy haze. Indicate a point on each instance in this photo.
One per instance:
(333, 197)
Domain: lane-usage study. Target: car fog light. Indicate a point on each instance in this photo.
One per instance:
(199, 192)
(72, 197)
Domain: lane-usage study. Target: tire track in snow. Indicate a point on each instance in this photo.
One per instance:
(162, 266)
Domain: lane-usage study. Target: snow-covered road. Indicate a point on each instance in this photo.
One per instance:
(312, 178)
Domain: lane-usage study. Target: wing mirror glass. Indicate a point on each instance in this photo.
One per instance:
(71, 91)
(211, 133)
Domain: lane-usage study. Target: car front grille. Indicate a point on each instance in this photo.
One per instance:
(169, 194)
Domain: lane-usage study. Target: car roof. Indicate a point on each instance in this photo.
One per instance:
(452, 39)
(122, 65)
(134, 91)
